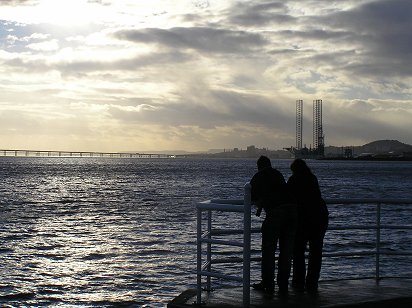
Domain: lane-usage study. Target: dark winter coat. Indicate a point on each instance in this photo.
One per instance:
(312, 210)
(269, 189)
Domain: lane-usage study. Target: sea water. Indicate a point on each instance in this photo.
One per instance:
(102, 232)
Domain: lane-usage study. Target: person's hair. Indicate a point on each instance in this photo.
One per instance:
(263, 162)
(299, 166)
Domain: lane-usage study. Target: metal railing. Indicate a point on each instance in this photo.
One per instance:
(378, 227)
(239, 206)
(204, 268)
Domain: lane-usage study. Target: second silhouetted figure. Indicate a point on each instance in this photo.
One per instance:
(312, 225)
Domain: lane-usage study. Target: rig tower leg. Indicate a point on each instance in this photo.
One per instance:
(299, 123)
(318, 138)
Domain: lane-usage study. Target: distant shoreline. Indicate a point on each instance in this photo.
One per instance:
(368, 158)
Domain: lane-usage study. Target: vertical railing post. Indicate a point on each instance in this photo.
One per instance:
(209, 249)
(247, 203)
(378, 240)
(199, 257)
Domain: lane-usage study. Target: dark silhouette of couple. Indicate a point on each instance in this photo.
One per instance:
(295, 216)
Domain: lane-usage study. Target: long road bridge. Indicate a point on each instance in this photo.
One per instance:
(46, 153)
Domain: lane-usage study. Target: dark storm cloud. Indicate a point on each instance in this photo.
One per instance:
(169, 115)
(238, 108)
(383, 28)
(364, 127)
(251, 108)
(86, 66)
(152, 60)
(317, 34)
(248, 14)
(26, 66)
(206, 40)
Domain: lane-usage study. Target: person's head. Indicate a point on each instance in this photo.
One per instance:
(263, 162)
(299, 166)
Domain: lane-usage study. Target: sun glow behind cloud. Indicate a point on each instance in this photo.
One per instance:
(78, 13)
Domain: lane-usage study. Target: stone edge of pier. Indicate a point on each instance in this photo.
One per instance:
(360, 293)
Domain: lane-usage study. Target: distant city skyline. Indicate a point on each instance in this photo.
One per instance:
(193, 75)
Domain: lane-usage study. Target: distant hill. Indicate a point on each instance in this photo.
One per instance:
(393, 147)
(385, 147)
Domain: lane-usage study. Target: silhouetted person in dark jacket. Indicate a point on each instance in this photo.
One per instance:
(312, 225)
(270, 192)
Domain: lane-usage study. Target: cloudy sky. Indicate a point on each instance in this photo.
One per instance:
(111, 75)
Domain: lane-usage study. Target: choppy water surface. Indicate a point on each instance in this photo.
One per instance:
(103, 232)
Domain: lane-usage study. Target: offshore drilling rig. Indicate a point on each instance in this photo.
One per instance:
(318, 150)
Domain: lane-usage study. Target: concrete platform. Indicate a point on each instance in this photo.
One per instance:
(364, 293)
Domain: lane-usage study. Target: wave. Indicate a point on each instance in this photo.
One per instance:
(98, 256)
(6, 250)
(117, 303)
(18, 296)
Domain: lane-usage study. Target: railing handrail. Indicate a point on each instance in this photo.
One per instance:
(328, 201)
(368, 201)
(222, 202)
(244, 206)
(228, 207)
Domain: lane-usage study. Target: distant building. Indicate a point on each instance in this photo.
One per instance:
(251, 149)
(348, 153)
(407, 154)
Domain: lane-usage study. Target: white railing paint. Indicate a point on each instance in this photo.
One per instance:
(236, 206)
